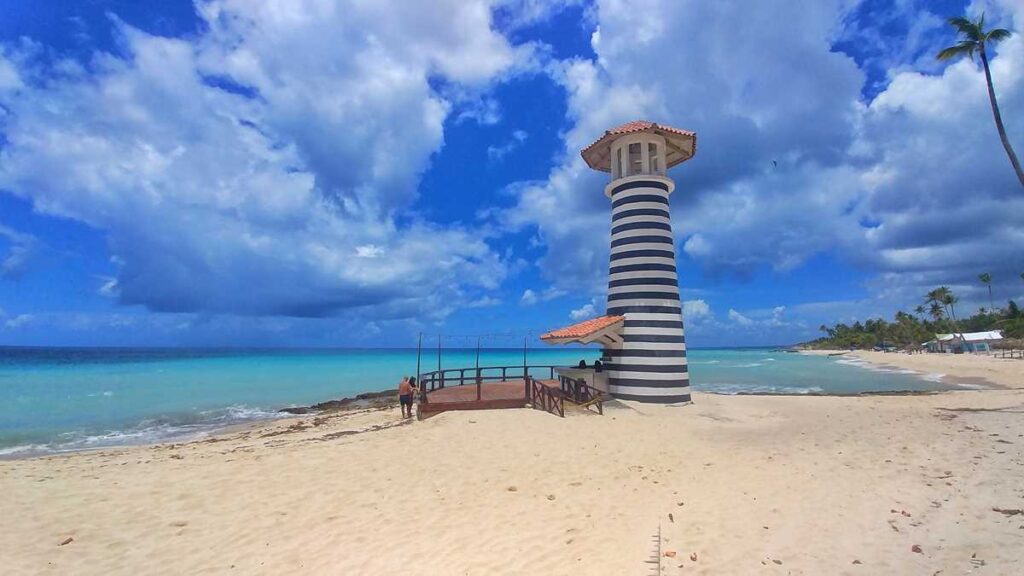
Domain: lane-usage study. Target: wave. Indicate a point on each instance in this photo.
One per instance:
(865, 365)
(734, 389)
(750, 365)
(180, 427)
(105, 393)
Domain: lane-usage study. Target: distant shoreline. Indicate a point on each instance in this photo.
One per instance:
(968, 369)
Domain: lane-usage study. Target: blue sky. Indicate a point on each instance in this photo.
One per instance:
(290, 173)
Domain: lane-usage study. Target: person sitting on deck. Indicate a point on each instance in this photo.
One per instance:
(597, 366)
(405, 397)
(582, 364)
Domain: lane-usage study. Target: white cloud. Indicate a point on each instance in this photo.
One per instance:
(9, 77)
(529, 298)
(523, 13)
(108, 289)
(18, 321)
(739, 318)
(484, 111)
(588, 310)
(777, 316)
(498, 152)
(20, 251)
(368, 251)
(484, 302)
(696, 310)
(282, 140)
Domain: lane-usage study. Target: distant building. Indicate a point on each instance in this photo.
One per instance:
(964, 342)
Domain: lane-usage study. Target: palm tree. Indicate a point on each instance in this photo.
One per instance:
(935, 298)
(919, 310)
(974, 40)
(943, 295)
(947, 298)
(986, 279)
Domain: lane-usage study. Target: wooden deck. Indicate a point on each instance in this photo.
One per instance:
(492, 395)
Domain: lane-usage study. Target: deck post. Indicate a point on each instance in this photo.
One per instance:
(419, 382)
(526, 369)
(439, 372)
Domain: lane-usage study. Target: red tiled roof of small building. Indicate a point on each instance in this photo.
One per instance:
(584, 328)
(592, 160)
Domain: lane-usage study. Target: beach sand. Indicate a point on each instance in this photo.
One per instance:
(983, 370)
(745, 484)
(1006, 372)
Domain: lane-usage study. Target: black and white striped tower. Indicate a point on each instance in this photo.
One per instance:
(649, 364)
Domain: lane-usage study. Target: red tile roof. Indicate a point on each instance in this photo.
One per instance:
(583, 329)
(641, 125)
(598, 159)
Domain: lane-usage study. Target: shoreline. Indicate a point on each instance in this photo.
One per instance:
(362, 401)
(385, 398)
(970, 369)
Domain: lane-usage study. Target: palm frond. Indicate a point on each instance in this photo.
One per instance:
(997, 35)
(963, 48)
(966, 27)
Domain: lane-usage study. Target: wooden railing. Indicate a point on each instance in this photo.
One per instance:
(545, 398)
(1009, 353)
(577, 390)
(438, 379)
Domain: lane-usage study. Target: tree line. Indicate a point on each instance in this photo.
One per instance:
(937, 314)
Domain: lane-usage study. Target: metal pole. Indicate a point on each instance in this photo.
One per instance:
(478, 354)
(419, 350)
(525, 339)
(439, 372)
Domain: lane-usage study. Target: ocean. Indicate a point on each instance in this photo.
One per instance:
(66, 399)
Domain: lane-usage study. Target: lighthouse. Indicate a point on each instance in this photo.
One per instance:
(644, 346)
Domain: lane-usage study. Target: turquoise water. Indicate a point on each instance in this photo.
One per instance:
(57, 399)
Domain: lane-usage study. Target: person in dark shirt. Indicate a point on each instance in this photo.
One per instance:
(405, 397)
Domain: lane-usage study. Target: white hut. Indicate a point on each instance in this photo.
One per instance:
(964, 342)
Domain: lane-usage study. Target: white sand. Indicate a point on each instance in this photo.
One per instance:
(773, 485)
(953, 368)
(1008, 372)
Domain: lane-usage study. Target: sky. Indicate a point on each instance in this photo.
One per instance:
(351, 173)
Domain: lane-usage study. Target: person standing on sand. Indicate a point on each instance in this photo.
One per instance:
(405, 397)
